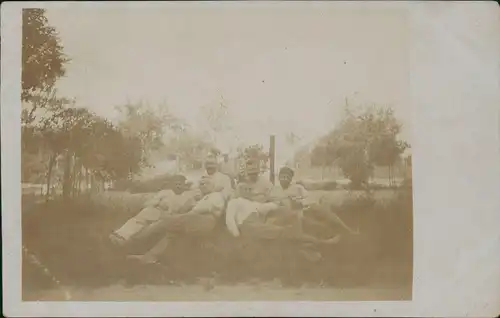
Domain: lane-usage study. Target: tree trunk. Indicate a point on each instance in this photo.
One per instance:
(67, 176)
(73, 176)
(87, 179)
(49, 175)
(77, 180)
(390, 174)
(80, 175)
(91, 181)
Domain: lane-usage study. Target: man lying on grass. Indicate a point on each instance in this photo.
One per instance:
(165, 202)
(293, 198)
(201, 220)
(251, 203)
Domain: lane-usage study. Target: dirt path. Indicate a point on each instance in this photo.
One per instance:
(243, 292)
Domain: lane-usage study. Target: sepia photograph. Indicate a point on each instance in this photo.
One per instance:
(193, 153)
(250, 158)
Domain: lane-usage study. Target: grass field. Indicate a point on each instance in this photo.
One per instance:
(70, 239)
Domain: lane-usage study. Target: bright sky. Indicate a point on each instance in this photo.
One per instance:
(280, 68)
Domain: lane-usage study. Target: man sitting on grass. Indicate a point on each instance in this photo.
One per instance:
(199, 221)
(165, 202)
(251, 203)
(221, 181)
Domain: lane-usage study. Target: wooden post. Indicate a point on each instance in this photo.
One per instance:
(272, 155)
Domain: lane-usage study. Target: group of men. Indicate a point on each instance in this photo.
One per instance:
(253, 207)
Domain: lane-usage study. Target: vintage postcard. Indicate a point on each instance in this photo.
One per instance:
(210, 157)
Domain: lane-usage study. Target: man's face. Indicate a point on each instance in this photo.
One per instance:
(178, 186)
(210, 170)
(285, 180)
(206, 187)
(253, 176)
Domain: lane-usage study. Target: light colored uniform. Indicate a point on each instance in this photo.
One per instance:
(221, 182)
(212, 203)
(200, 220)
(294, 192)
(291, 200)
(250, 199)
(160, 206)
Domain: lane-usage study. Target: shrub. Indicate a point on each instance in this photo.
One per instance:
(163, 182)
(318, 185)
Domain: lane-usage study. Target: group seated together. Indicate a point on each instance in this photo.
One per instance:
(252, 208)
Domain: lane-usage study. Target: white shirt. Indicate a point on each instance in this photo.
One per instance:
(240, 209)
(259, 190)
(221, 182)
(211, 203)
(178, 203)
(294, 191)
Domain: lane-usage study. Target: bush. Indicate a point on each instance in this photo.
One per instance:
(163, 182)
(318, 185)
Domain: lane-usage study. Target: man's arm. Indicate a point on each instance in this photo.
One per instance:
(157, 198)
(231, 224)
(238, 191)
(191, 199)
(266, 191)
(227, 188)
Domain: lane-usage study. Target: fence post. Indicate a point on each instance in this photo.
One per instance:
(272, 150)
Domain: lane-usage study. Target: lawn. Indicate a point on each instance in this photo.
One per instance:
(70, 239)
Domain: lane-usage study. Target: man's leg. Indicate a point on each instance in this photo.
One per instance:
(134, 225)
(194, 224)
(276, 232)
(330, 216)
(284, 216)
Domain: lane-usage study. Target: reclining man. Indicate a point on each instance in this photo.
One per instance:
(199, 221)
(165, 202)
(251, 203)
(294, 200)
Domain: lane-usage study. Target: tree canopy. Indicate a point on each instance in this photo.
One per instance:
(43, 59)
(361, 141)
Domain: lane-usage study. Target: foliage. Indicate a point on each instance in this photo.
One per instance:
(155, 184)
(255, 152)
(85, 139)
(189, 147)
(43, 59)
(361, 141)
(216, 117)
(147, 126)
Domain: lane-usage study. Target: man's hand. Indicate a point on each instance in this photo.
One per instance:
(198, 195)
(260, 198)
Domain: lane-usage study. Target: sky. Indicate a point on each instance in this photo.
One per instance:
(279, 68)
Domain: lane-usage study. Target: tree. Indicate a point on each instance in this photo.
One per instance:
(43, 59)
(147, 125)
(385, 149)
(91, 146)
(255, 152)
(43, 63)
(216, 120)
(361, 141)
(189, 147)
